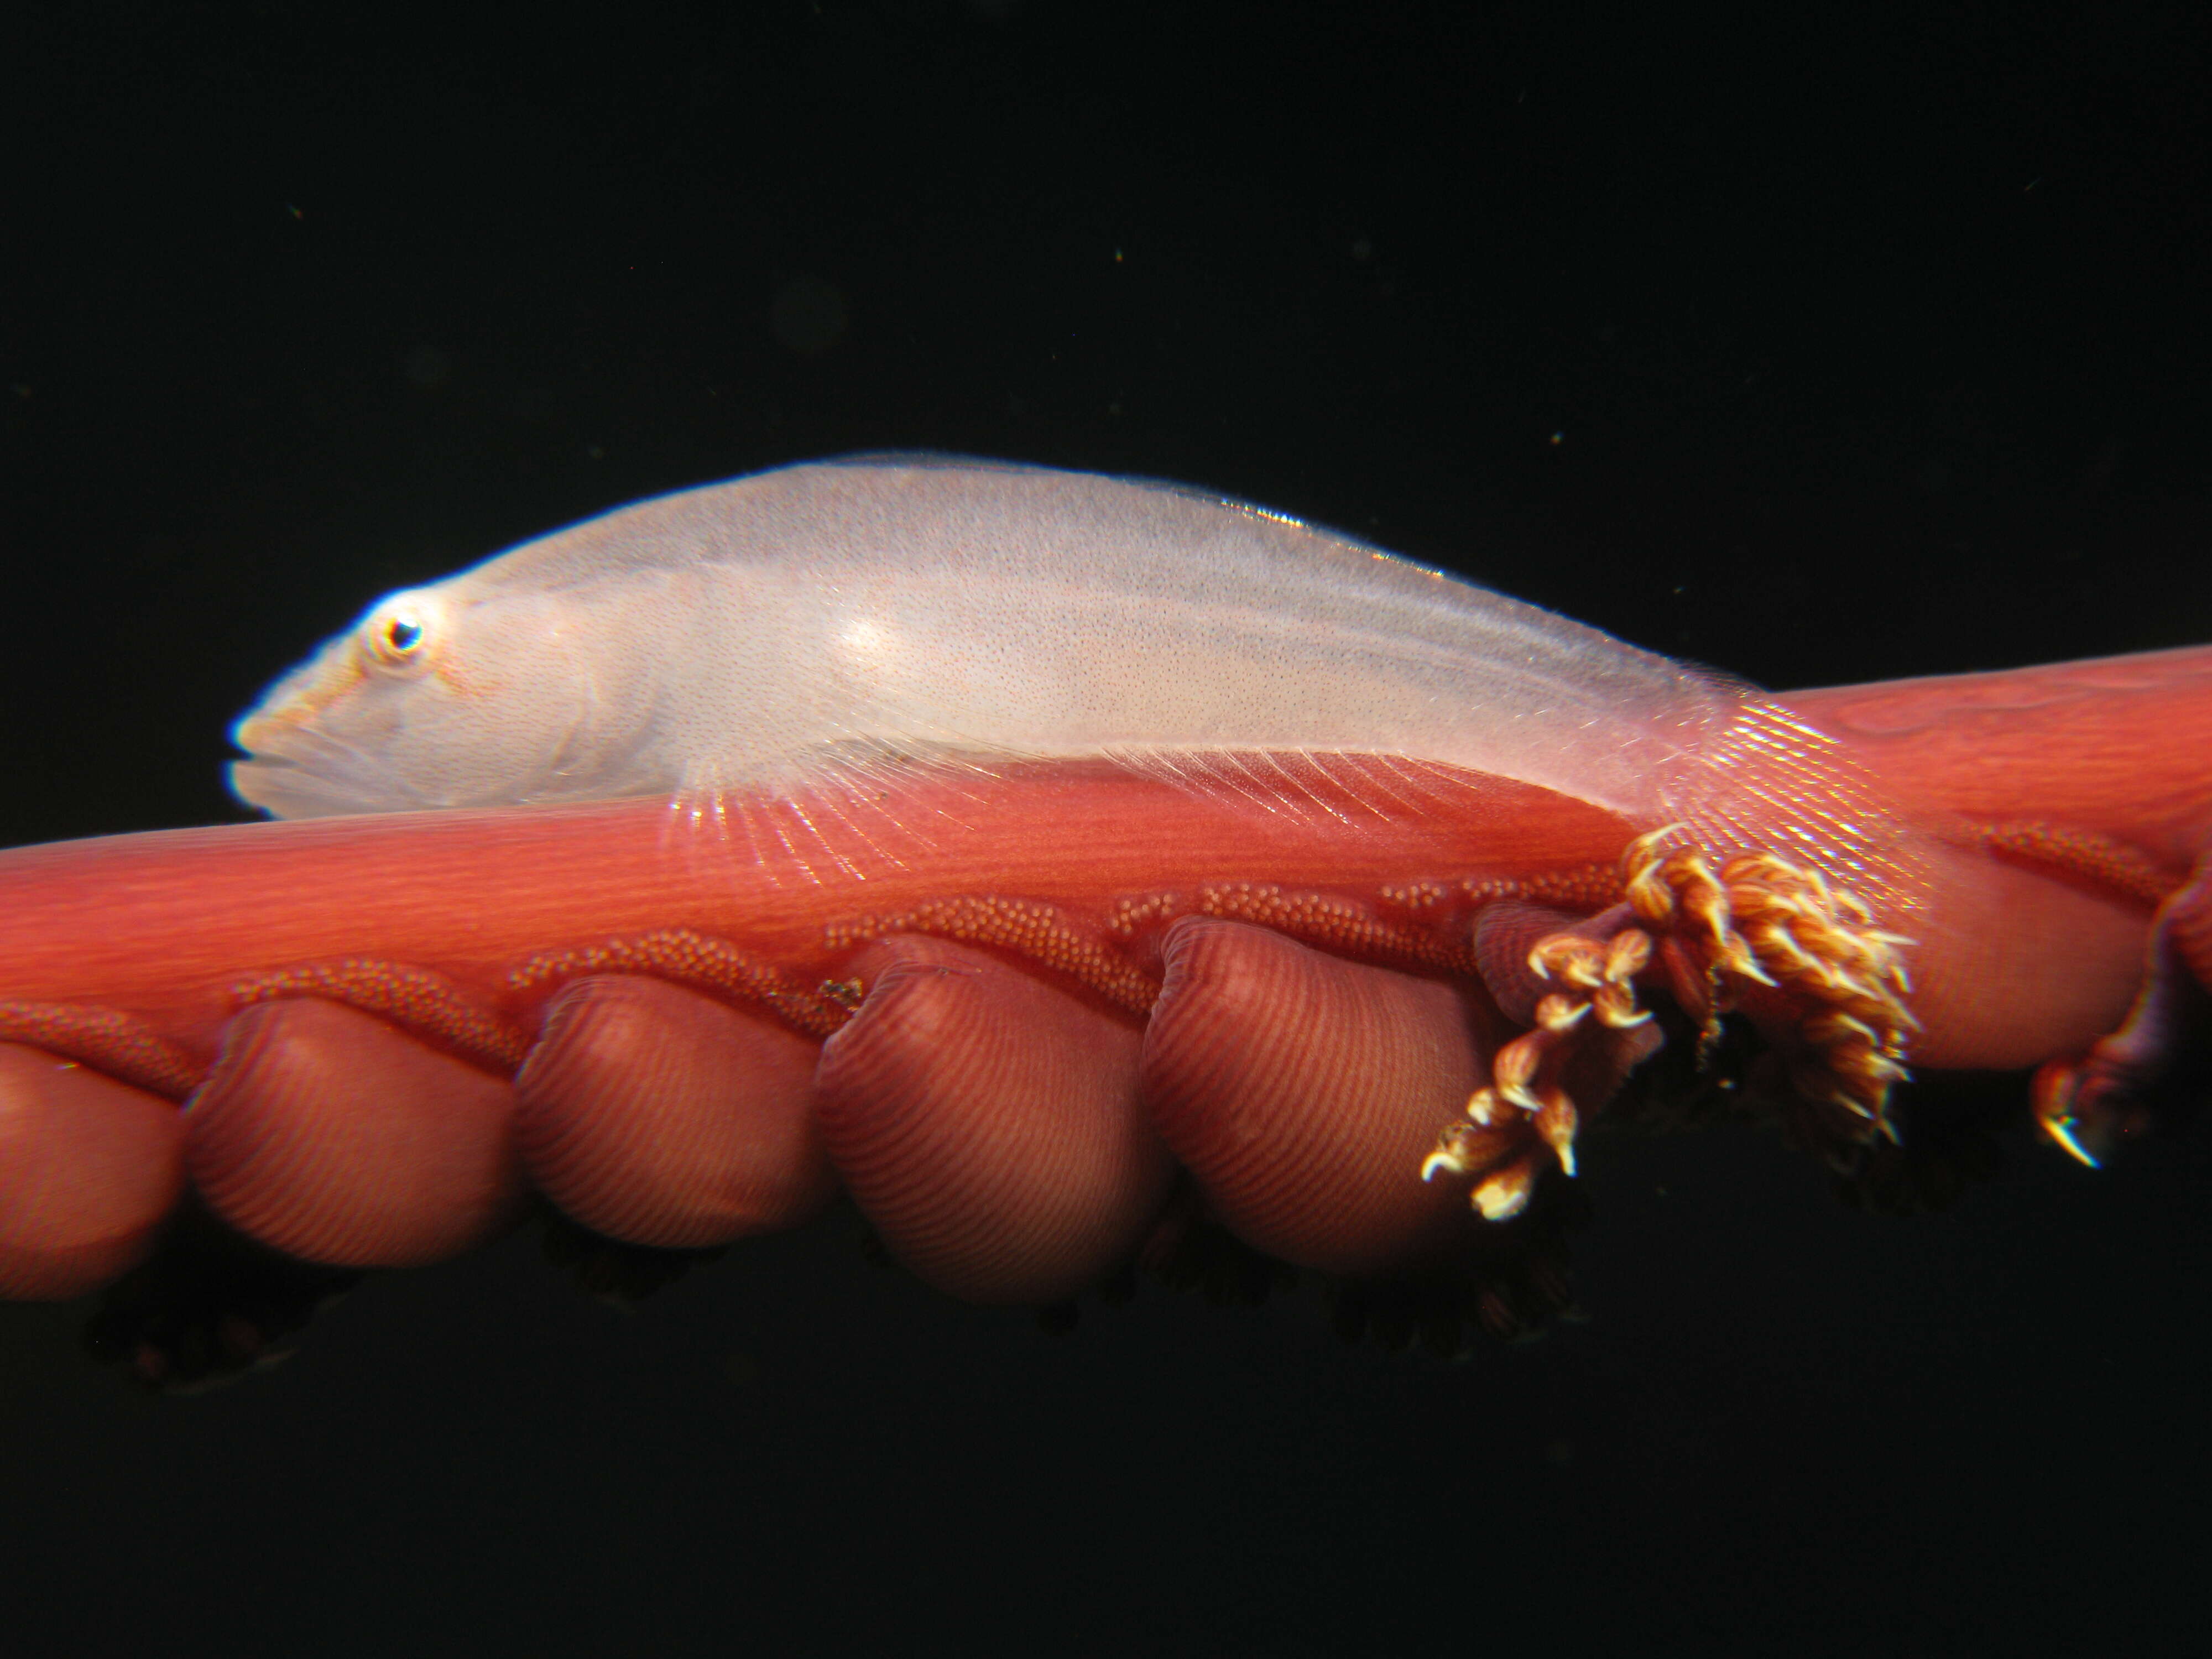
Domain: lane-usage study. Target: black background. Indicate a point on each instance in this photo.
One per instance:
(1818, 346)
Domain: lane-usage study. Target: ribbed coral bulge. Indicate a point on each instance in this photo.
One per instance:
(1299, 1090)
(2013, 965)
(334, 1137)
(988, 1124)
(657, 1115)
(89, 1168)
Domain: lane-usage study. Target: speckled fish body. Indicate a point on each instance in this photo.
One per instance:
(833, 619)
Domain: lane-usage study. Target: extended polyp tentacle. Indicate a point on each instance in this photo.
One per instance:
(1527, 1115)
(1758, 921)
(1819, 945)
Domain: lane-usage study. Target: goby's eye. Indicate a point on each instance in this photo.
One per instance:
(398, 633)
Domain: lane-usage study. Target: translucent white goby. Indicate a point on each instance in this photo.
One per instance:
(799, 625)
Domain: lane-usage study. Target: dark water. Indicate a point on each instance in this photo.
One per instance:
(1818, 351)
